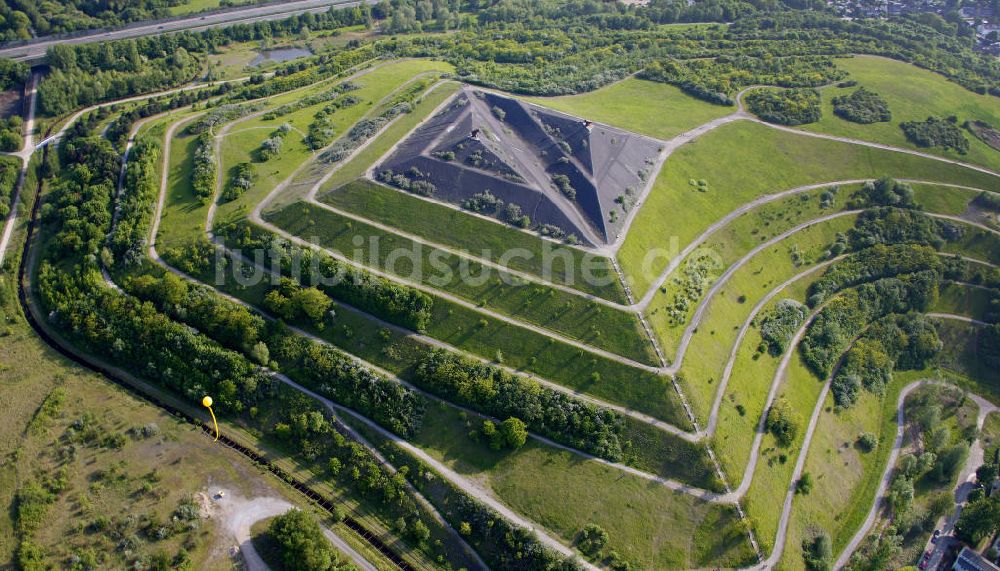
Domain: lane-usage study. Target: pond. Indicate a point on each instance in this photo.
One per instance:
(279, 55)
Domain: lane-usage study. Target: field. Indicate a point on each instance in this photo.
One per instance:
(913, 94)
(655, 109)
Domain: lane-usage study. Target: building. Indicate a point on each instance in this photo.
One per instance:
(969, 560)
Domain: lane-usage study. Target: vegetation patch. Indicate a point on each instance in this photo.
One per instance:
(936, 132)
(862, 106)
(785, 107)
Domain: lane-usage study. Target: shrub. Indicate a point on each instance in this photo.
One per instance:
(592, 539)
(867, 442)
(817, 552)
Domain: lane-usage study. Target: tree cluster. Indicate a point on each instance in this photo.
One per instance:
(129, 235)
(785, 107)
(862, 106)
(9, 171)
(896, 342)
(936, 132)
(301, 545)
(779, 325)
(241, 179)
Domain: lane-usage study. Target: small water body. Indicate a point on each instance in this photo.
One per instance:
(279, 55)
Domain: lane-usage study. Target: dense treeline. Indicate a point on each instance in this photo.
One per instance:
(895, 342)
(493, 391)
(840, 320)
(390, 301)
(936, 132)
(785, 107)
(135, 203)
(11, 139)
(25, 19)
(204, 171)
(343, 380)
(862, 106)
(583, 45)
(13, 73)
(191, 340)
(9, 170)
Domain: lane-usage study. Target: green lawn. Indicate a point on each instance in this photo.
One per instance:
(741, 161)
(913, 94)
(963, 300)
(611, 329)
(457, 229)
(656, 109)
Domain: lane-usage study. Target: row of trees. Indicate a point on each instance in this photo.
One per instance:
(321, 131)
(493, 391)
(393, 302)
(204, 169)
(129, 235)
(9, 170)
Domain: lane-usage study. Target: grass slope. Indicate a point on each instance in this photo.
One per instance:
(741, 161)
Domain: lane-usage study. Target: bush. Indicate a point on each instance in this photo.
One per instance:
(782, 422)
(592, 539)
(862, 106)
(204, 173)
(936, 132)
(867, 442)
(785, 107)
(242, 178)
(817, 552)
(780, 324)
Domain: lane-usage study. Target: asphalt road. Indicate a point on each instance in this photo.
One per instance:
(254, 13)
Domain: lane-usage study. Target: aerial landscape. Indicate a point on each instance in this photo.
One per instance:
(540, 285)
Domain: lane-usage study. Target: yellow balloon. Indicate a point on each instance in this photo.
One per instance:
(207, 401)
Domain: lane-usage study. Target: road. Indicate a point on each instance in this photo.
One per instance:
(275, 11)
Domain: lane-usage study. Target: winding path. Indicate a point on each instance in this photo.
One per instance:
(25, 155)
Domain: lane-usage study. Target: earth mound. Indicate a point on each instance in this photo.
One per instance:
(565, 175)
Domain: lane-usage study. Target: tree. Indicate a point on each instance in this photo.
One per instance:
(979, 519)
(987, 474)
(817, 552)
(301, 544)
(900, 495)
(514, 432)
(804, 484)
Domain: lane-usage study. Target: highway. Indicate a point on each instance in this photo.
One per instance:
(254, 13)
